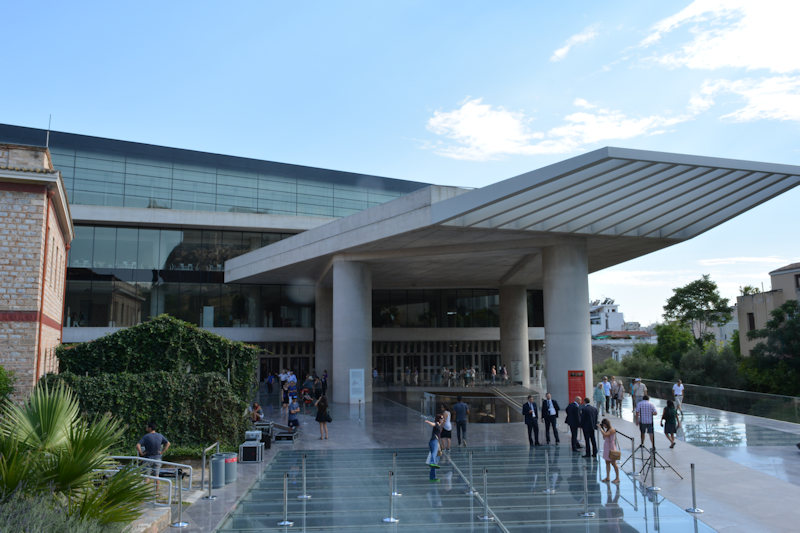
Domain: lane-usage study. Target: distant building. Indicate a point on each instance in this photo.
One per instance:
(754, 309)
(605, 316)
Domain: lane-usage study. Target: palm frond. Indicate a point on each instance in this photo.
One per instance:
(43, 421)
(118, 499)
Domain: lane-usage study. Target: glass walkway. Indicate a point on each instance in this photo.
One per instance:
(528, 489)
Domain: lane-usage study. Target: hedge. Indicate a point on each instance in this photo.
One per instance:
(163, 344)
(190, 409)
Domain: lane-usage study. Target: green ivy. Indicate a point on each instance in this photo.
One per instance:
(163, 344)
(188, 409)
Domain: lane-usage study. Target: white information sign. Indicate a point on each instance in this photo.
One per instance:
(356, 385)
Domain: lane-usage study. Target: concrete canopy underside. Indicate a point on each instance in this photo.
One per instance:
(622, 203)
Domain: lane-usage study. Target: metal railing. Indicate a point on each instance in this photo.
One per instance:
(203, 468)
(177, 466)
(774, 406)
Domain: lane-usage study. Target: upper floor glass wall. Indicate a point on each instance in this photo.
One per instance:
(106, 172)
(446, 308)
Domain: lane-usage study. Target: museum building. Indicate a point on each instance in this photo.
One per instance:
(331, 270)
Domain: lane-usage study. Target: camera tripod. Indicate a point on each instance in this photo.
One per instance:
(653, 460)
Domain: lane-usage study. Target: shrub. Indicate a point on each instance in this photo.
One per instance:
(163, 344)
(7, 380)
(189, 409)
(41, 512)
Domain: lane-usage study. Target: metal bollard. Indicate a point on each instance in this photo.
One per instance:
(359, 409)
(180, 522)
(586, 512)
(305, 495)
(653, 487)
(486, 517)
(633, 456)
(285, 521)
(394, 469)
(548, 490)
(471, 489)
(391, 519)
(694, 508)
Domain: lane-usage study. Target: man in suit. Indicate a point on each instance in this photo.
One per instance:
(531, 420)
(550, 416)
(573, 420)
(588, 425)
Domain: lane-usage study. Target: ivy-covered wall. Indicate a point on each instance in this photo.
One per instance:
(168, 371)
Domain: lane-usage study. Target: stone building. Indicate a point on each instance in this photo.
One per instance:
(35, 234)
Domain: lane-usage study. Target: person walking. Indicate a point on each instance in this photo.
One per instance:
(645, 411)
(531, 420)
(610, 452)
(573, 420)
(599, 397)
(433, 446)
(550, 417)
(677, 393)
(670, 422)
(447, 428)
(638, 391)
(588, 425)
(462, 416)
(323, 416)
(607, 393)
(619, 395)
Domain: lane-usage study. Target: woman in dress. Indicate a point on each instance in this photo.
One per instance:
(609, 445)
(447, 427)
(433, 445)
(669, 421)
(323, 417)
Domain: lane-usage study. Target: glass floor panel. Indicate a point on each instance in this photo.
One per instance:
(350, 491)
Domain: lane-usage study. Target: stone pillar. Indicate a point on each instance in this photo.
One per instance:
(352, 328)
(514, 333)
(323, 332)
(566, 316)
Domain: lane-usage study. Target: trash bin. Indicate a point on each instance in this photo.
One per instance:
(217, 470)
(230, 466)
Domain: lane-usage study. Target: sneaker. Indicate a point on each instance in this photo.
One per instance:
(434, 465)
(465, 444)
(435, 480)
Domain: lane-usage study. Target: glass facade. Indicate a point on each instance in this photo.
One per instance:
(121, 276)
(446, 308)
(107, 172)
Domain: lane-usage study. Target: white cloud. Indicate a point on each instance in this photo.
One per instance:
(745, 34)
(740, 260)
(478, 131)
(579, 38)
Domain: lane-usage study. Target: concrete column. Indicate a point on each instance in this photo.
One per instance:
(352, 328)
(323, 331)
(514, 332)
(566, 316)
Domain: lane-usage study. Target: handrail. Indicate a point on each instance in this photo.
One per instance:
(203, 470)
(159, 461)
(155, 502)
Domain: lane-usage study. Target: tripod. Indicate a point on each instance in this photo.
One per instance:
(655, 460)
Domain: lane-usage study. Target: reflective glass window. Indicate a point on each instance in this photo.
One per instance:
(80, 253)
(127, 248)
(170, 241)
(104, 247)
(147, 249)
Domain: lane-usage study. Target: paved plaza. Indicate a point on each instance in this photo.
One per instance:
(347, 477)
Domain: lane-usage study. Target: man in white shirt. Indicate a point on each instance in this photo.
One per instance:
(645, 411)
(607, 392)
(677, 392)
(638, 392)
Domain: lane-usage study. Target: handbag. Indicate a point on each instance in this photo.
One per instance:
(614, 455)
(328, 417)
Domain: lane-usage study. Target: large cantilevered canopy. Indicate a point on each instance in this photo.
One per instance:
(623, 203)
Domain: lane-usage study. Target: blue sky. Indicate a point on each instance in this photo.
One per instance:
(453, 93)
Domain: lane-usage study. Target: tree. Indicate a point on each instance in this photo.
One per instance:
(47, 448)
(774, 364)
(674, 340)
(748, 290)
(698, 306)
